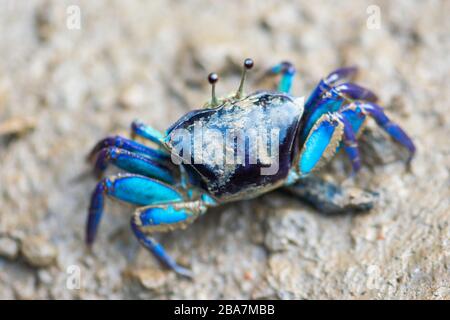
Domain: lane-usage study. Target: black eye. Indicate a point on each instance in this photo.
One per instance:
(248, 63)
(213, 77)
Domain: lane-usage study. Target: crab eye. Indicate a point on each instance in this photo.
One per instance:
(248, 63)
(213, 78)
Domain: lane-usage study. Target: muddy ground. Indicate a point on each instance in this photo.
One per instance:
(62, 89)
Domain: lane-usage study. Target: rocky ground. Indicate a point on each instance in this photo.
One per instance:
(62, 89)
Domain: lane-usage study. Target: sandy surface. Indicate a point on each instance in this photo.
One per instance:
(61, 90)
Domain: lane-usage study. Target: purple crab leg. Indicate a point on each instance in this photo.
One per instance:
(134, 189)
(356, 92)
(287, 71)
(326, 84)
(130, 145)
(341, 74)
(133, 163)
(158, 251)
(393, 129)
(350, 144)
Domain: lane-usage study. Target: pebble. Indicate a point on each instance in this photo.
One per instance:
(38, 252)
(150, 278)
(8, 248)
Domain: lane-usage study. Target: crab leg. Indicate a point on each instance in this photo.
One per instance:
(327, 105)
(158, 251)
(164, 209)
(393, 129)
(356, 92)
(341, 74)
(130, 145)
(287, 71)
(133, 163)
(134, 189)
(351, 90)
(164, 218)
(138, 128)
(350, 144)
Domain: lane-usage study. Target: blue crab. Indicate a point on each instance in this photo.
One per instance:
(172, 184)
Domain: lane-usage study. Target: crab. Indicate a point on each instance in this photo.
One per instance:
(238, 147)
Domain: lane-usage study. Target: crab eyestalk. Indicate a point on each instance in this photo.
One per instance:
(212, 79)
(248, 64)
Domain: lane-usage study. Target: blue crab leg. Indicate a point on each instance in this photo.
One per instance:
(354, 114)
(326, 84)
(162, 218)
(134, 189)
(139, 128)
(158, 251)
(321, 143)
(350, 144)
(333, 103)
(330, 198)
(130, 145)
(393, 129)
(133, 163)
(287, 71)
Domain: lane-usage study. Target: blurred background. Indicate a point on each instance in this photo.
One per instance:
(67, 82)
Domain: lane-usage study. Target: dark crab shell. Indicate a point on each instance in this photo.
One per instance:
(212, 141)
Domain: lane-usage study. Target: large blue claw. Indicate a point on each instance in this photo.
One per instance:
(321, 143)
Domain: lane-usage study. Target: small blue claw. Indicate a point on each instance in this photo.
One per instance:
(315, 112)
